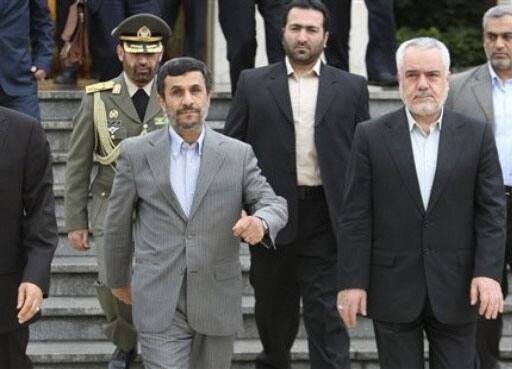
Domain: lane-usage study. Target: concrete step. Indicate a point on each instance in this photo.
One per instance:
(75, 275)
(95, 354)
(81, 319)
(63, 104)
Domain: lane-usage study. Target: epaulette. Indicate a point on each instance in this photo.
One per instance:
(101, 86)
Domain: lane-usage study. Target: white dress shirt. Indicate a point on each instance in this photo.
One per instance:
(303, 94)
(425, 147)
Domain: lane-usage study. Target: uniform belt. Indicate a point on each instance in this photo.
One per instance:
(508, 190)
(310, 192)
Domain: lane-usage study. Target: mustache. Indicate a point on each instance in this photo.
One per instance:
(188, 110)
(423, 94)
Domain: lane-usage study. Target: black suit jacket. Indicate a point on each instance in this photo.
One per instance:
(261, 115)
(401, 253)
(28, 233)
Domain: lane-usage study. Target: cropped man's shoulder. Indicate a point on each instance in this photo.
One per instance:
(466, 121)
(228, 142)
(19, 121)
(263, 72)
(135, 142)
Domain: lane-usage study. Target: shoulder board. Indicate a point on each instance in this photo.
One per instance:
(101, 86)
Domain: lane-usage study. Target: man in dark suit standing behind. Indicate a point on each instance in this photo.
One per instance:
(28, 236)
(27, 49)
(300, 115)
(485, 93)
(422, 230)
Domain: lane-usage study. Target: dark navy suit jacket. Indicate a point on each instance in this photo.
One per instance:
(26, 40)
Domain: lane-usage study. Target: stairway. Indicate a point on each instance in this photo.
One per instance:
(69, 334)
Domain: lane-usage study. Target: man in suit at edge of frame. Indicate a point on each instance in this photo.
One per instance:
(485, 93)
(423, 222)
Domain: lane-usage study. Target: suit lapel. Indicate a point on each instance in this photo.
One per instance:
(398, 140)
(153, 108)
(326, 92)
(482, 90)
(450, 144)
(158, 157)
(212, 157)
(278, 86)
(123, 100)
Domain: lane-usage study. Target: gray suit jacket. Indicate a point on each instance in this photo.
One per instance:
(471, 94)
(166, 244)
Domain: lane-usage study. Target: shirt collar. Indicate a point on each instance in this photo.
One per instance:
(133, 88)
(316, 68)
(412, 122)
(496, 80)
(177, 142)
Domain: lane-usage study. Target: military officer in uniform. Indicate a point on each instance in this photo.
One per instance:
(110, 112)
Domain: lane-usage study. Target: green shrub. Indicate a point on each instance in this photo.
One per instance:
(464, 43)
(441, 14)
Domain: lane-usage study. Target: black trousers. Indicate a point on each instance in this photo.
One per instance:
(13, 346)
(195, 24)
(307, 268)
(489, 331)
(451, 346)
(380, 52)
(238, 24)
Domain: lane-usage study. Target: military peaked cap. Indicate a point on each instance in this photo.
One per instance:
(142, 33)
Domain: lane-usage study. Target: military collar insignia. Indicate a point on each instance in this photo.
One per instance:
(161, 121)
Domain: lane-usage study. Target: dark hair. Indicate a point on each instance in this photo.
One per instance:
(308, 4)
(180, 66)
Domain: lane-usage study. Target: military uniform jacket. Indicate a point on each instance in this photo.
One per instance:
(122, 121)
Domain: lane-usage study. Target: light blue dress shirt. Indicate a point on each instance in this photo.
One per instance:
(425, 147)
(184, 168)
(502, 104)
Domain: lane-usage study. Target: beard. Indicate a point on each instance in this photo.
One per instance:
(501, 64)
(304, 56)
(423, 108)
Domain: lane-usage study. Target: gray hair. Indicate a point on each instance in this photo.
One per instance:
(423, 43)
(497, 11)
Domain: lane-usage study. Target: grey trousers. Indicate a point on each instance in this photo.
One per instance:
(180, 347)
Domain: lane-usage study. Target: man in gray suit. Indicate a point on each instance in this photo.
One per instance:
(188, 186)
(485, 93)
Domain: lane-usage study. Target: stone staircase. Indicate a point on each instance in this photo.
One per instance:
(69, 334)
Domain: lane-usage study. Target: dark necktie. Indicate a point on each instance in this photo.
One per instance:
(140, 101)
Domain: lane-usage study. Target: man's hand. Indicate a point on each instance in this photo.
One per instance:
(38, 74)
(30, 298)
(350, 303)
(249, 228)
(79, 239)
(488, 292)
(124, 294)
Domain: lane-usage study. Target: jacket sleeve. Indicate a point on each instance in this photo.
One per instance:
(490, 212)
(79, 166)
(41, 35)
(355, 228)
(261, 198)
(238, 117)
(118, 223)
(40, 235)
